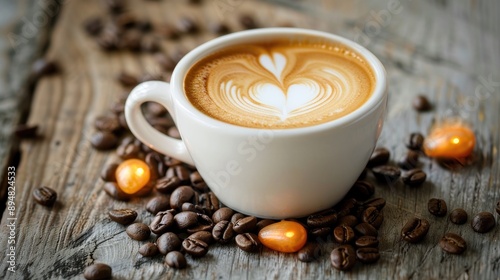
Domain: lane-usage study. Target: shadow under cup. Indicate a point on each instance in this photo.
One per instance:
(268, 173)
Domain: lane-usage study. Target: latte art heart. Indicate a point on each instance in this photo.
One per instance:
(279, 85)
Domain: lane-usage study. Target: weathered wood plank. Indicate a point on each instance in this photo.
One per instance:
(444, 49)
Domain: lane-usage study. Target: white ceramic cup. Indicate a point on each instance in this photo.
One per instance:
(269, 173)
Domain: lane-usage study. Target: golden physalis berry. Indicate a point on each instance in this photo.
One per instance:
(450, 140)
(132, 175)
(284, 236)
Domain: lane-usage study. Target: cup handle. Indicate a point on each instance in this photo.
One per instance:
(159, 92)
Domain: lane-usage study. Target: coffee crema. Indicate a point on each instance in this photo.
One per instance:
(280, 84)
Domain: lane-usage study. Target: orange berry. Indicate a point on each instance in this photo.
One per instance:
(284, 236)
(132, 175)
(450, 140)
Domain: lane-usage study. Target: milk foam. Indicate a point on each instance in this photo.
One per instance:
(279, 84)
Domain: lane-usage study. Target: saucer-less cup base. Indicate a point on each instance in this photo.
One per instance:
(262, 172)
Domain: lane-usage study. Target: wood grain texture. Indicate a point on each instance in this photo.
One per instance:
(447, 50)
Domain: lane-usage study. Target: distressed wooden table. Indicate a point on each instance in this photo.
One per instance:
(448, 50)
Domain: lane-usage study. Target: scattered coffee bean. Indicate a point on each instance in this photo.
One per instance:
(223, 214)
(44, 67)
(123, 216)
(158, 203)
(156, 166)
(498, 207)
(415, 230)
(115, 6)
(378, 203)
(410, 160)
(128, 151)
(168, 242)
(343, 257)
(45, 196)
(138, 231)
(180, 195)
(386, 173)
(167, 185)
(366, 242)
(218, 28)
(349, 220)
(197, 182)
(421, 103)
(246, 224)
(262, 224)
(437, 207)
(125, 20)
(109, 123)
(26, 131)
(108, 172)
(188, 206)
(319, 232)
(248, 22)
(368, 255)
(453, 243)
(203, 235)
(248, 242)
(236, 216)
(186, 25)
(126, 79)
(209, 202)
(322, 219)
(97, 271)
(414, 177)
(148, 250)
(343, 234)
(204, 223)
(310, 252)
(223, 232)
(458, 216)
(167, 31)
(346, 206)
(415, 141)
(103, 140)
(175, 259)
(186, 219)
(149, 45)
(483, 222)
(195, 247)
(93, 26)
(112, 189)
(365, 229)
(372, 216)
(380, 156)
(361, 190)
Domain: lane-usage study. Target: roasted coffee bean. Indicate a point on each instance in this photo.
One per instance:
(93, 26)
(349, 220)
(131, 41)
(246, 224)
(186, 219)
(346, 206)
(45, 196)
(236, 216)
(386, 173)
(203, 235)
(167, 185)
(123, 121)
(156, 166)
(115, 6)
(415, 230)
(366, 242)
(248, 242)
(195, 247)
(410, 160)
(322, 219)
(378, 203)
(343, 257)
(310, 252)
(145, 191)
(379, 156)
(182, 173)
(128, 151)
(343, 234)
(263, 223)
(453, 243)
(197, 181)
(458, 216)
(372, 216)
(103, 140)
(138, 231)
(218, 28)
(44, 67)
(421, 103)
(175, 259)
(209, 202)
(180, 195)
(186, 25)
(148, 250)
(223, 214)
(365, 229)
(361, 190)
(127, 80)
(498, 207)
(26, 131)
(368, 255)
(204, 223)
(223, 232)
(415, 141)
(188, 206)
(158, 203)
(414, 177)
(319, 232)
(483, 222)
(125, 20)
(123, 216)
(97, 271)
(107, 123)
(162, 222)
(150, 45)
(247, 21)
(112, 189)
(437, 207)
(108, 172)
(170, 162)
(168, 242)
